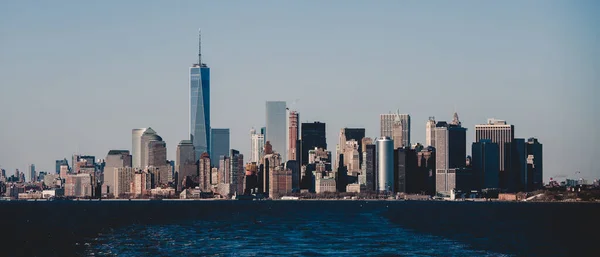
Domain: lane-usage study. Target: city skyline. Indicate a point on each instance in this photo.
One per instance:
(543, 119)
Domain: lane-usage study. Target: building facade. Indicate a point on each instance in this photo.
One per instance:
(200, 106)
(387, 122)
(313, 136)
(500, 132)
(293, 132)
(257, 145)
(136, 146)
(220, 144)
(385, 164)
(276, 126)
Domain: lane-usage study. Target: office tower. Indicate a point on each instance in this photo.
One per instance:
(123, 180)
(387, 122)
(385, 164)
(357, 134)
(237, 172)
(451, 150)
(293, 166)
(406, 176)
(205, 173)
(426, 166)
(185, 161)
(271, 163)
(219, 144)
(136, 146)
(251, 182)
(370, 166)
(263, 131)
(312, 135)
(366, 141)
(114, 159)
(60, 163)
(486, 163)
(430, 132)
(156, 153)
(31, 173)
(148, 135)
(500, 132)
(224, 170)
(200, 105)
(516, 165)
(351, 156)
(257, 145)
(142, 183)
(79, 185)
(293, 119)
(276, 126)
(535, 168)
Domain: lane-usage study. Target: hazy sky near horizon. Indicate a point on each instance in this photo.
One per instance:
(77, 76)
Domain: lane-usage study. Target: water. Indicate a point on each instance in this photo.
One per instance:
(298, 228)
(318, 233)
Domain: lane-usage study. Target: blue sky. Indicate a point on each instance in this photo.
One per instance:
(77, 76)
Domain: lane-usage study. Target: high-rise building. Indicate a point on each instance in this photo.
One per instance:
(31, 173)
(200, 105)
(535, 164)
(516, 165)
(451, 152)
(185, 161)
(485, 163)
(148, 135)
(114, 159)
(405, 171)
(500, 132)
(385, 164)
(276, 126)
(257, 145)
(387, 122)
(237, 172)
(293, 119)
(60, 163)
(156, 153)
(136, 146)
(205, 179)
(369, 166)
(357, 134)
(313, 136)
(430, 132)
(219, 144)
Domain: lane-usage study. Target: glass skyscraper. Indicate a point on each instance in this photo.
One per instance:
(200, 107)
(276, 126)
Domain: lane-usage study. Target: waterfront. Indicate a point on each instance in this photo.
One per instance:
(328, 228)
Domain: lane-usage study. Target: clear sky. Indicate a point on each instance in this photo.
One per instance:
(77, 76)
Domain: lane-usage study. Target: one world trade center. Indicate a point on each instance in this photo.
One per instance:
(200, 104)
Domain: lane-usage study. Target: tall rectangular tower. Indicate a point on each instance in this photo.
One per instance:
(257, 145)
(500, 132)
(200, 105)
(219, 144)
(276, 126)
(313, 135)
(292, 135)
(387, 122)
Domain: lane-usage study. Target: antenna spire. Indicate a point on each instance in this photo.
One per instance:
(199, 47)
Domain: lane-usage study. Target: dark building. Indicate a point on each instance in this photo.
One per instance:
(534, 164)
(515, 165)
(342, 174)
(295, 168)
(357, 134)
(426, 167)
(405, 171)
(486, 165)
(312, 135)
(466, 180)
(370, 169)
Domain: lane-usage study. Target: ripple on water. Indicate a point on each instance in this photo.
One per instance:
(365, 234)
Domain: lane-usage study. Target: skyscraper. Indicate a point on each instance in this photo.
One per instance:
(313, 135)
(387, 122)
(292, 134)
(200, 104)
(276, 126)
(535, 164)
(257, 144)
(148, 135)
(357, 134)
(500, 132)
(32, 174)
(136, 146)
(114, 159)
(430, 132)
(451, 151)
(185, 161)
(219, 144)
(385, 164)
(486, 163)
